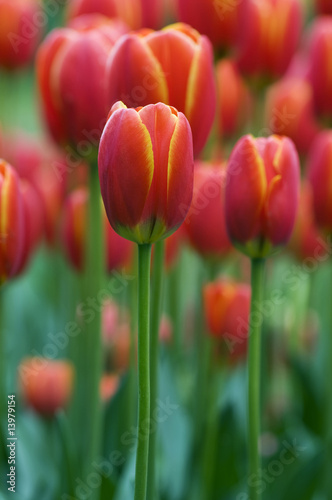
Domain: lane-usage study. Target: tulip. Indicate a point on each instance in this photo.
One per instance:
(173, 66)
(20, 31)
(234, 100)
(12, 222)
(320, 54)
(146, 171)
(217, 19)
(270, 31)
(261, 194)
(109, 385)
(319, 175)
(135, 13)
(205, 222)
(75, 106)
(290, 112)
(226, 309)
(46, 384)
(74, 234)
(323, 6)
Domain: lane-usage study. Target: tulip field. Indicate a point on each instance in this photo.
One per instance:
(165, 250)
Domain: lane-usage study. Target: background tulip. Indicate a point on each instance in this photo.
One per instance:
(205, 223)
(146, 171)
(323, 6)
(261, 195)
(173, 66)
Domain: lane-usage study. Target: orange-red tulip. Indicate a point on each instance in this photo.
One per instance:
(71, 70)
(174, 66)
(12, 222)
(270, 31)
(146, 171)
(261, 195)
(46, 384)
(21, 27)
(205, 223)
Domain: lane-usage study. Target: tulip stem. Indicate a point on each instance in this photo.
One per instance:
(144, 258)
(254, 374)
(156, 308)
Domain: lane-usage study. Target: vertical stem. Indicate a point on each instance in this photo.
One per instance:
(156, 308)
(254, 364)
(144, 258)
(95, 265)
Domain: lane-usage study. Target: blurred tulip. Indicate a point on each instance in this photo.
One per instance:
(12, 222)
(173, 66)
(234, 100)
(108, 386)
(135, 13)
(46, 384)
(269, 35)
(205, 222)
(218, 19)
(165, 330)
(74, 226)
(306, 241)
(320, 56)
(320, 177)
(323, 6)
(21, 28)
(173, 246)
(227, 308)
(261, 194)
(146, 171)
(290, 112)
(75, 106)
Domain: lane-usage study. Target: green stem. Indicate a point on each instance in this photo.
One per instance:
(95, 266)
(254, 364)
(156, 309)
(144, 258)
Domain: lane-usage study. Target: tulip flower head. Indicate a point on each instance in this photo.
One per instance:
(146, 171)
(261, 194)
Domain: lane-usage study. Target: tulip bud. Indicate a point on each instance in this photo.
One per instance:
(22, 23)
(75, 106)
(118, 250)
(261, 194)
(320, 54)
(108, 386)
(218, 19)
(146, 171)
(226, 308)
(234, 100)
(135, 13)
(205, 222)
(46, 384)
(12, 222)
(320, 177)
(269, 34)
(290, 112)
(173, 66)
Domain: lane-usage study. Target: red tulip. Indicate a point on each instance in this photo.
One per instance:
(12, 222)
(146, 171)
(118, 250)
(218, 19)
(290, 112)
(46, 384)
(135, 13)
(22, 23)
(261, 195)
(205, 223)
(234, 100)
(323, 6)
(75, 106)
(270, 31)
(320, 56)
(320, 177)
(227, 308)
(173, 66)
